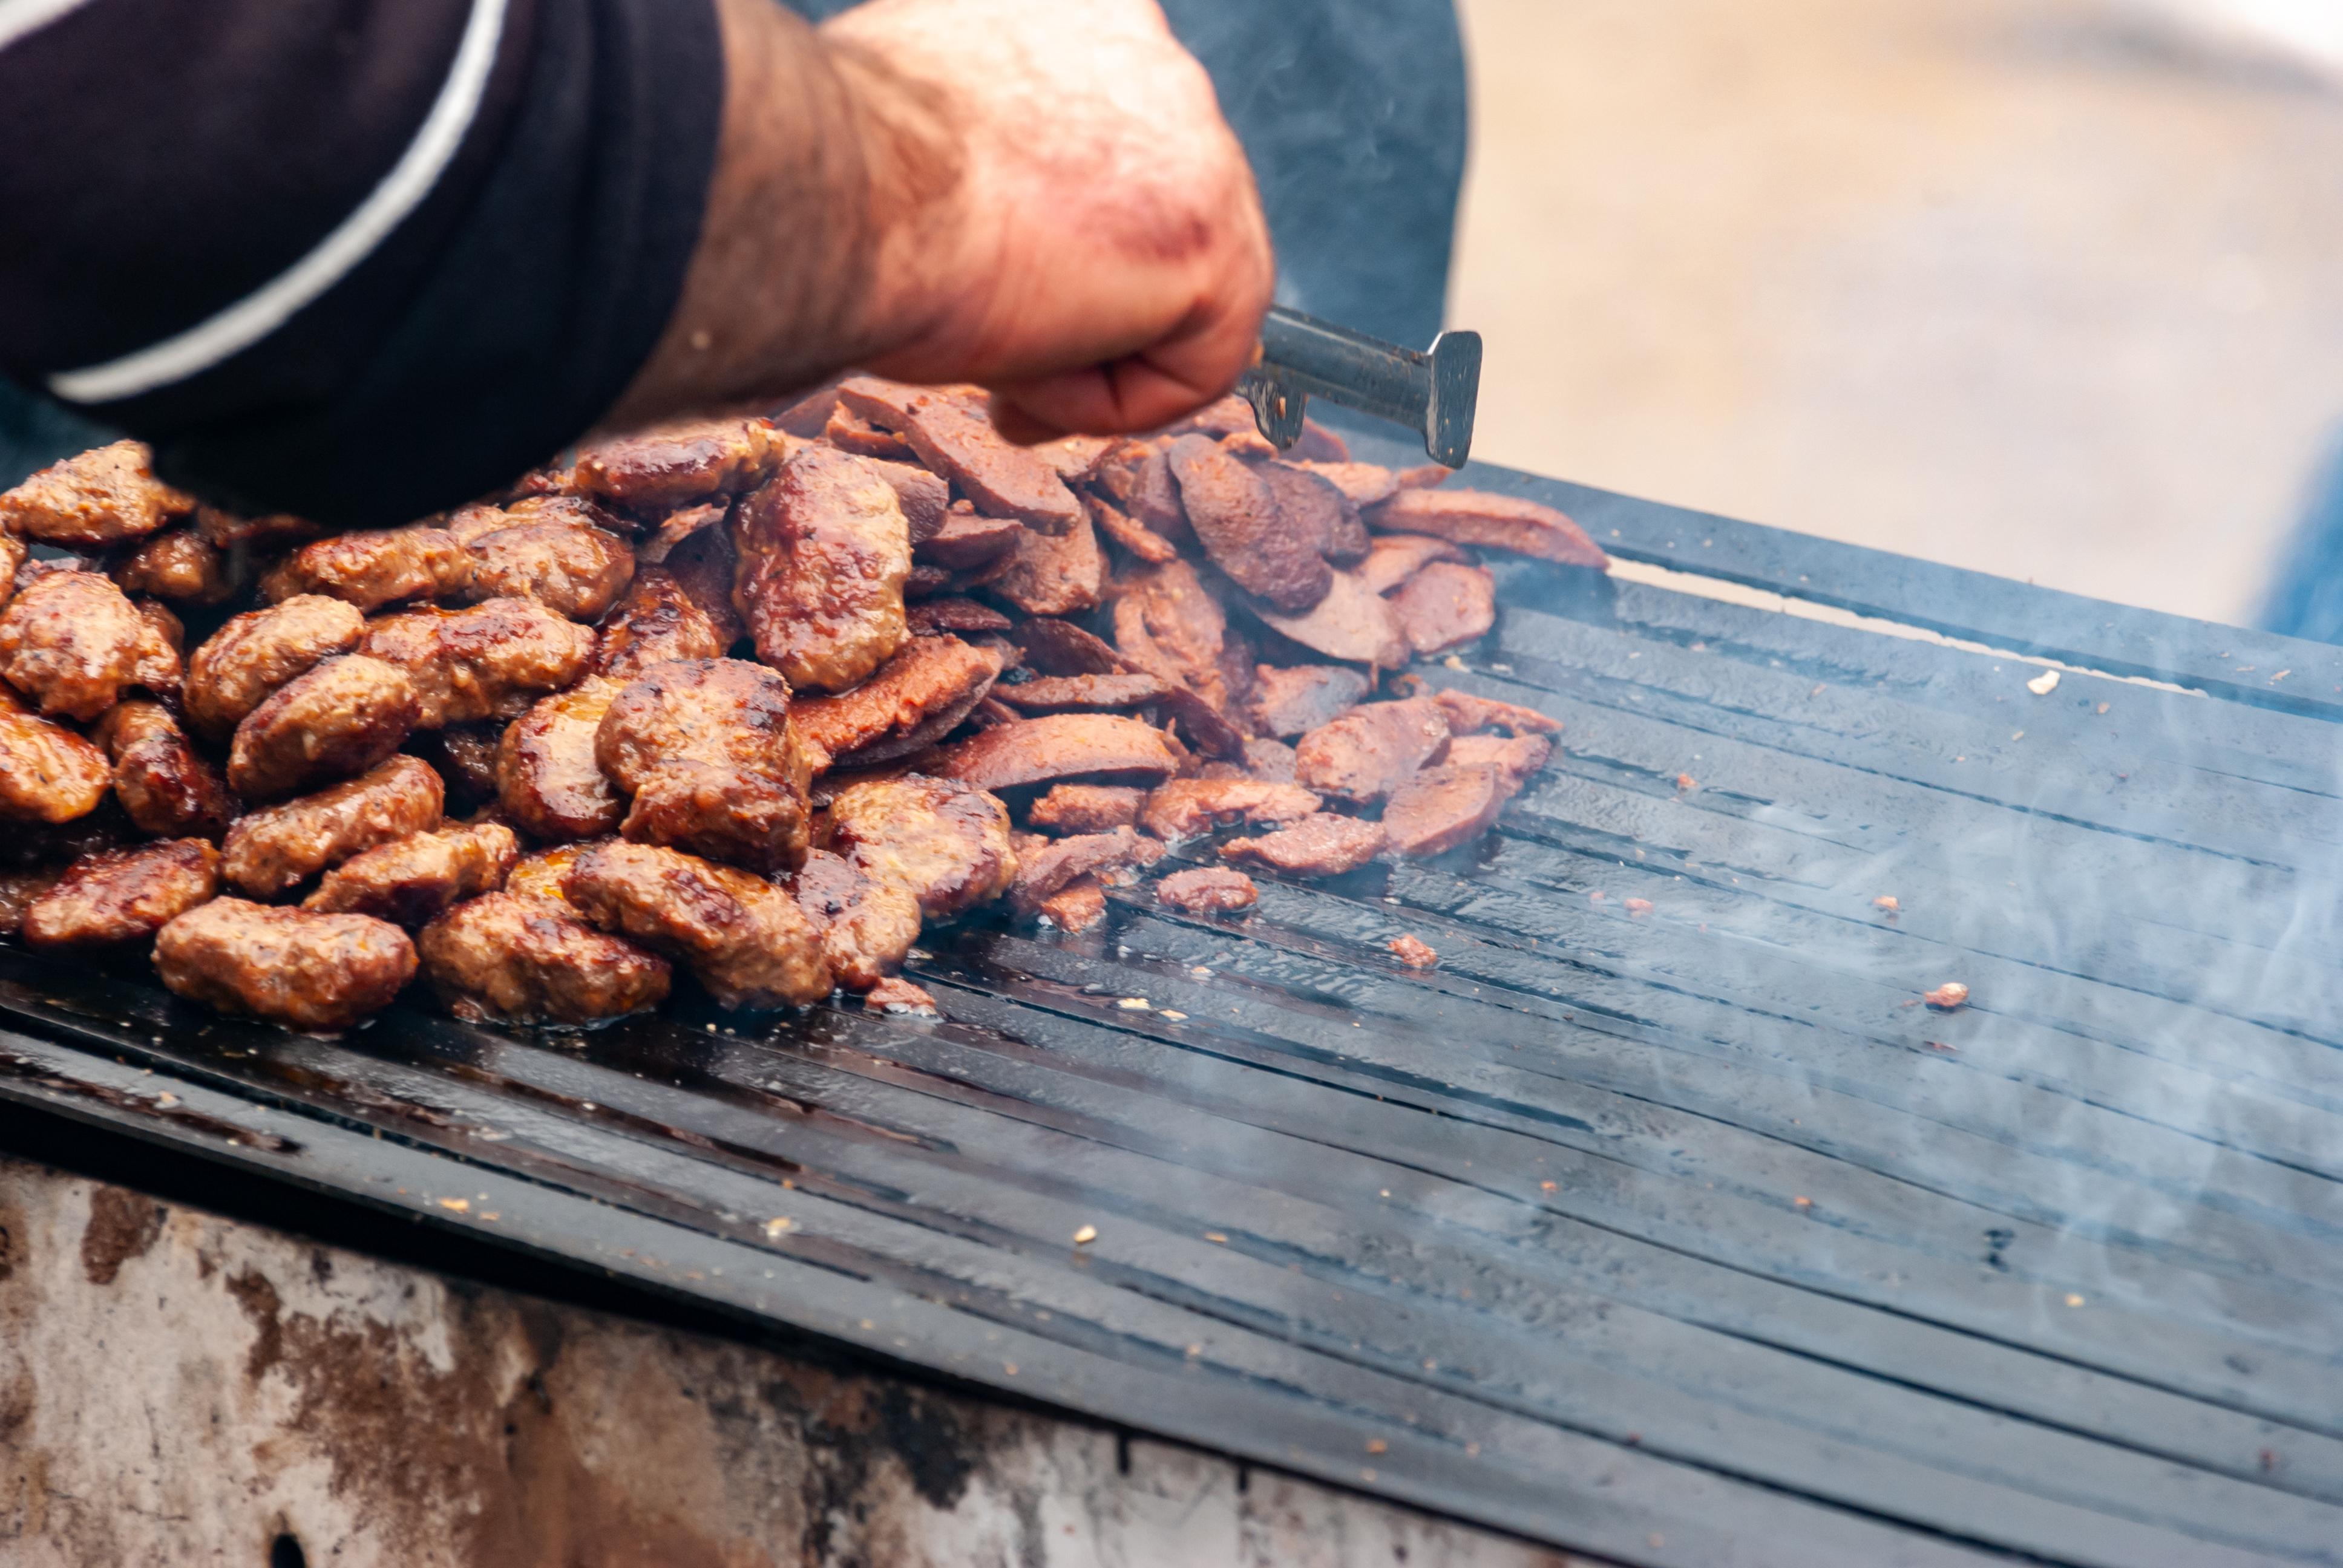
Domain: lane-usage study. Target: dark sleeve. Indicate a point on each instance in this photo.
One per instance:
(358, 259)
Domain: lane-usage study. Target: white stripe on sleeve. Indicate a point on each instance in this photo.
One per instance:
(19, 17)
(262, 312)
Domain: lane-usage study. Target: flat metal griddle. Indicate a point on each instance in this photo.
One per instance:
(1681, 1237)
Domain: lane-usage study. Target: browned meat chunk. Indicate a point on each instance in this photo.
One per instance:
(465, 756)
(338, 718)
(163, 784)
(301, 969)
(943, 842)
(706, 568)
(123, 895)
(935, 616)
(280, 847)
(99, 497)
(1298, 699)
(1083, 693)
(1046, 868)
(571, 567)
(1075, 459)
(1271, 761)
(504, 959)
(744, 938)
(1467, 712)
(1104, 747)
(656, 622)
(897, 995)
(1086, 808)
(1129, 533)
(1413, 952)
(867, 926)
(540, 876)
(72, 641)
(1167, 623)
(823, 551)
(1138, 475)
(1061, 648)
(654, 471)
(1311, 508)
(1237, 520)
(1370, 751)
(923, 498)
(678, 526)
(1443, 807)
(1076, 907)
(374, 568)
(1497, 522)
(1515, 757)
(1446, 606)
(547, 777)
(19, 891)
(1191, 807)
(916, 698)
(1208, 891)
(955, 438)
(1395, 557)
(1321, 846)
(1055, 574)
(966, 541)
(864, 439)
(279, 530)
(484, 662)
(47, 773)
(180, 565)
(255, 653)
(12, 561)
(1351, 622)
(1362, 483)
(411, 880)
(705, 748)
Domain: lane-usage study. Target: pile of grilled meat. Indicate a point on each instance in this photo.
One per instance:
(752, 696)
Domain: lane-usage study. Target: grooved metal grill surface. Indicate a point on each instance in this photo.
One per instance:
(1679, 1234)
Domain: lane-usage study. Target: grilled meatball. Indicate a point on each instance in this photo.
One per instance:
(743, 937)
(47, 773)
(123, 895)
(303, 969)
(410, 881)
(338, 718)
(656, 622)
(503, 958)
(824, 548)
(654, 471)
(19, 891)
(99, 497)
(166, 786)
(867, 926)
(374, 568)
(280, 847)
(179, 565)
(705, 749)
(238, 667)
(942, 842)
(482, 662)
(540, 876)
(547, 776)
(72, 641)
(570, 567)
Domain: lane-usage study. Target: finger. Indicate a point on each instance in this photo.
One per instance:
(1017, 428)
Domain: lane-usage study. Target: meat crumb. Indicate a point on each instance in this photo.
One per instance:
(1413, 952)
(896, 994)
(1639, 906)
(1949, 996)
(1887, 902)
(1208, 891)
(2044, 683)
(1077, 907)
(1687, 783)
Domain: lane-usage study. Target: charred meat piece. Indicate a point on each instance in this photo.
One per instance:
(1167, 623)
(1138, 475)
(1396, 557)
(301, 969)
(656, 622)
(12, 561)
(570, 567)
(1208, 891)
(1103, 748)
(1413, 952)
(823, 552)
(482, 662)
(1351, 622)
(1238, 521)
(848, 432)
(897, 995)
(47, 773)
(1443, 807)
(1133, 536)
(1271, 761)
(277, 531)
(1086, 808)
(1055, 574)
(1191, 807)
(1061, 648)
(99, 497)
(1298, 699)
(1370, 751)
(1515, 757)
(1046, 869)
(280, 847)
(935, 616)
(72, 642)
(1084, 693)
(705, 748)
(745, 938)
(163, 784)
(123, 895)
(923, 498)
(1362, 483)
(867, 926)
(654, 471)
(954, 437)
(1446, 606)
(1076, 907)
(337, 718)
(965, 540)
(1075, 459)
(465, 756)
(374, 568)
(943, 842)
(540, 876)
(1311, 508)
(917, 697)
(238, 667)
(509, 959)
(1467, 713)
(1498, 522)
(1321, 846)
(179, 565)
(706, 568)
(410, 881)
(678, 526)
(547, 777)
(19, 891)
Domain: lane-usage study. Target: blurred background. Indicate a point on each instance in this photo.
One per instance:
(2050, 289)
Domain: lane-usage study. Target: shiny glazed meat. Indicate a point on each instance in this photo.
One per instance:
(96, 498)
(654, 471)
(571, 567)
(236, 668)
(123, 895)
(1097, 746)
(72, 641)
(867, 926)
(954, 437)
(943, 842)
(547, 776)
(743, 937)
(298, 969)
(280, 847)
(656, 622)
(705, 749)
(179, 565)
(506, 959)
(333, 720)
(47, 773)
(916, 697)
(414, 879)
(164, 786)
(478, 663)
(373, 568)
(823, 551)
